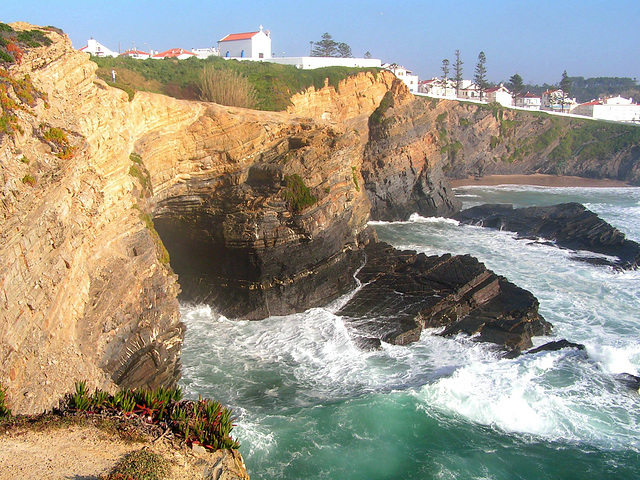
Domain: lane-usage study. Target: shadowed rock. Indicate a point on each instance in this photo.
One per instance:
(405, 292)
(569, 225)
(557, 345)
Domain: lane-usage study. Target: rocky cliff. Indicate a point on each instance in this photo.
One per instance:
(259, 211)
(467, 139)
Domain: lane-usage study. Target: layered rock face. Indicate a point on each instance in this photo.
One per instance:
(259, 211)
(262, 223)
(405, 292)
(402, 166)
(475, 140)
(84, 295)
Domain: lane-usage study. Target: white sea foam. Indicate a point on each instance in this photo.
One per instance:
(284, 368)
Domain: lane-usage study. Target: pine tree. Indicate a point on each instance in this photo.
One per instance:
(344, 50)
(325, 47)
(565, 86)
(457, 69)
(367, 54)
(516, 85)
(480, 77)
(445, 72)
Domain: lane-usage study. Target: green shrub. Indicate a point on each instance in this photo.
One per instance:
(6, 28)
(29, 180)
(140, 465)
(34, 38)
(355, 178)
(80, 399)
(5, 411)
(297, 193)
(377, 117)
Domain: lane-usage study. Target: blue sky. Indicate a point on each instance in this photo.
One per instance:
(538, 39)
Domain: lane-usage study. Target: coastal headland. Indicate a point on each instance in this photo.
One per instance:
(114, 205)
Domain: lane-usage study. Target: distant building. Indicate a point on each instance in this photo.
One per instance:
(407, 76)
(617, 109)
(250, 45)
(557, 101)
(499, 94)
(96, 48)
(529, 101)
(437, 87)
(177, 53)
(205, 52)
(137, 54)
(469, 91)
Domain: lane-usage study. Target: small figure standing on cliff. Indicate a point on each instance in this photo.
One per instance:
(113, 76)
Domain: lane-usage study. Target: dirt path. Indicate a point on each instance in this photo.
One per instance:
(76, 452)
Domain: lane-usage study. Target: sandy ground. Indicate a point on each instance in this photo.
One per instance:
(76, 452)
(537, 179)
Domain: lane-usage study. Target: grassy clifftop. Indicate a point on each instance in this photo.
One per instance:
(274, 83)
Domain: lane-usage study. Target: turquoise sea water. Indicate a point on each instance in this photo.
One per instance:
(312, 406)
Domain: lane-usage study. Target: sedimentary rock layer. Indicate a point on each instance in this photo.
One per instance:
(258, 209)
(405, 292)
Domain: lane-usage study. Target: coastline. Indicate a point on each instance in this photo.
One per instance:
(537, 179)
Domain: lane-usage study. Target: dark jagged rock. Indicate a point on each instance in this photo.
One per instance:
(631, 381)
(569, 225)
(555, 346)
(405, 292)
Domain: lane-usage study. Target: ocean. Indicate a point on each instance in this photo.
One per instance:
(310, 405)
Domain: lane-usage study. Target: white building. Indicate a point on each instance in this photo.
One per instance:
(137, 54)
(250, 45)
(205, 52)
(437, 87)
(617, 109)
(499, 94)
(407, 76)
(96, 48)
(309, 63)
(529, 101)
(469, 91)
(177, 53)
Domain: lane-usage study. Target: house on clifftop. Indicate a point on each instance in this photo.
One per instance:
(250, 45)
(96, 48)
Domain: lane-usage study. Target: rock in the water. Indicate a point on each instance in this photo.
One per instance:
(405, 292)
(557, 345)
(631, 381)
(569, 225)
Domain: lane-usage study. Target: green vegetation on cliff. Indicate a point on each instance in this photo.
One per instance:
(274, 84)
(473, 143)
(297, 193)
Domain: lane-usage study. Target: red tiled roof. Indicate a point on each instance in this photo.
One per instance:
(174, 52)
(593, 102)
(238, 36)
(530, 95)
(84, 48)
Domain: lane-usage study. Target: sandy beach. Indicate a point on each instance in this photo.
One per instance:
(538, 179)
